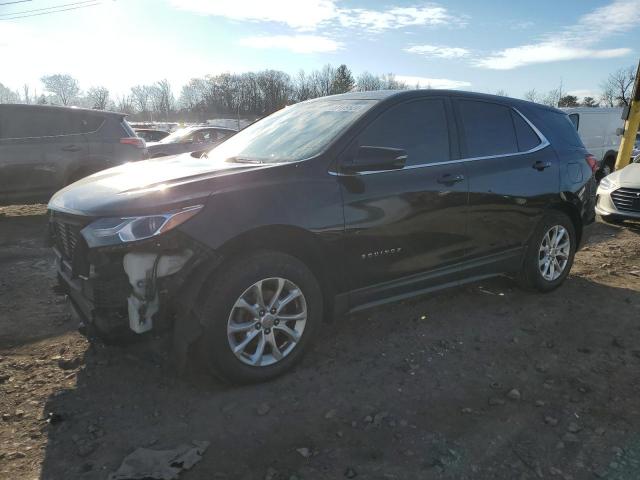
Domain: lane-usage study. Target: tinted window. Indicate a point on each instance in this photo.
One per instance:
(560, 128)
(420, 128)
(488, 128)
(527, 138)
(28, 123)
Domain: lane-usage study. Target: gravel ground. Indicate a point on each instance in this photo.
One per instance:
(480, 382)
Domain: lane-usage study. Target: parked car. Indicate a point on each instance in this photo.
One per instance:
(597, 128)
(618, 196)
(44, 148)
(195, 140)
(328, 206)
(150, 134)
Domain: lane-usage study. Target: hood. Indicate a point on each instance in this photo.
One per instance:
(149, 186)
(628, 176)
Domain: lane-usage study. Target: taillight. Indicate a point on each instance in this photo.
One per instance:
(593, 163)
(135, 141)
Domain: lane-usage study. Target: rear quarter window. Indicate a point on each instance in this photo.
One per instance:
(560, 128)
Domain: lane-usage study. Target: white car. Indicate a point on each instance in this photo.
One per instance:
(618, 195)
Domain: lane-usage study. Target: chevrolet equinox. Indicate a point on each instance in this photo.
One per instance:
(325, 207)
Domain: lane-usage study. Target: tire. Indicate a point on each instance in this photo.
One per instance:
(536, 273)
(239, 279)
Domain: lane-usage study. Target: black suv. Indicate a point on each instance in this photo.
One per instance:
(329, 206)
(44, 148)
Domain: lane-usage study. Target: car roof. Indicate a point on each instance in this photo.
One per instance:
(392, 95)
(23, 106)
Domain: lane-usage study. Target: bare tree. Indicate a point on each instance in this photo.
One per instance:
(7, 95)
(552, 97)
(99, 97)
(141, 98)
(25, 90)
(502, 93)
(124, 104)
(388, 81)
(616, 89)
(162, 98)
(367, 81)
(532, 95)
(64, 87)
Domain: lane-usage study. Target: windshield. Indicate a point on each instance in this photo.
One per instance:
(293, 133)
(176, 136)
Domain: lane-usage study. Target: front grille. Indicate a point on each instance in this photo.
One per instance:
(65, 236)
(627, 199)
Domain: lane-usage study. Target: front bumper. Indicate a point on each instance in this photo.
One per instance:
(129, 288)
(605, 206)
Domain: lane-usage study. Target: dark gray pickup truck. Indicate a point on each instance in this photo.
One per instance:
(44, 148)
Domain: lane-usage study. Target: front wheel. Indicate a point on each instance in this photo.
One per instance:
(549, 254)
(261, 317)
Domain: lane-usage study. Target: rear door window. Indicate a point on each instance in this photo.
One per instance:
(487, 129)
(419, 127)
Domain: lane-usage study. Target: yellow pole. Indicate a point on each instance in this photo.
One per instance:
(630, 126)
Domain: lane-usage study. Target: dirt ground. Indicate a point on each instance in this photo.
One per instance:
(480, 382)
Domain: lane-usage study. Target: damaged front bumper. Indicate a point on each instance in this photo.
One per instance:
(131, 287)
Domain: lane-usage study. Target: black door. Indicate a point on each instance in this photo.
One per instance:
(513, 174)
(405, 222)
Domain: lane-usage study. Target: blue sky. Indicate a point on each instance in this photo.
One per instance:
(484, 46)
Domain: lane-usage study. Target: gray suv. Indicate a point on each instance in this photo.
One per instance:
(43, 148)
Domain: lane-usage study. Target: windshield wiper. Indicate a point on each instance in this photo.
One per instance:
(243, 160)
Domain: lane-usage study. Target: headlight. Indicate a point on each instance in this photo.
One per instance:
(607, 184)
(111, 231)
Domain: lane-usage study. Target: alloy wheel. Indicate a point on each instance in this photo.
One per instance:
(267, 321)
(553, 255)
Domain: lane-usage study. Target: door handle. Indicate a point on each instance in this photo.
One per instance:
(449, 179)
(540, 165)
(71, 148)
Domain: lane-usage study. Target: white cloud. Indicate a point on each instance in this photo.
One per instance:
(438, 51)
(544, 52)
(574, 41)
(426, 82)
(293, 43)
(299, 14)
(311, 14)
(396, 17)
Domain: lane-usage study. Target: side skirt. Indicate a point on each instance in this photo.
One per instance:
(429, 282)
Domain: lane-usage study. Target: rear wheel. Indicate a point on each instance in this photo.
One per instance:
(262, 315)
(549, 254)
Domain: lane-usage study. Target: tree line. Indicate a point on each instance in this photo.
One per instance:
(256, 94)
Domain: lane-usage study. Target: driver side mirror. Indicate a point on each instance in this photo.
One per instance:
(376, 158)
